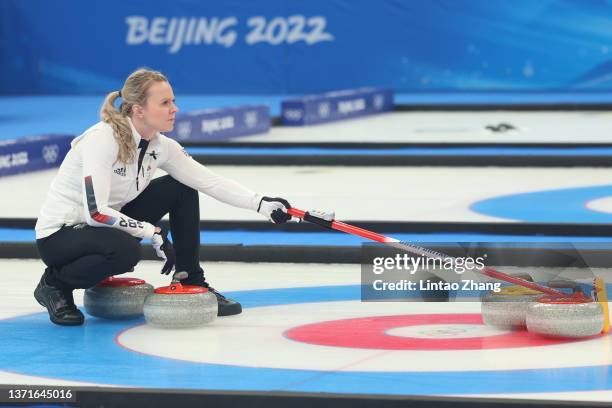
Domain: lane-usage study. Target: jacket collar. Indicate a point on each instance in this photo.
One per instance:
(137, 138)
(135, 133)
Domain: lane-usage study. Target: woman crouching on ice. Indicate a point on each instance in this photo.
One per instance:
(102, 201)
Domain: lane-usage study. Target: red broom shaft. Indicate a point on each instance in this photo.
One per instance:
(351, 229)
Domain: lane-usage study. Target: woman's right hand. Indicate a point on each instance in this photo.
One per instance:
(274, 209)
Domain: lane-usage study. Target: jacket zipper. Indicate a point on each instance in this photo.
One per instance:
(143, 149)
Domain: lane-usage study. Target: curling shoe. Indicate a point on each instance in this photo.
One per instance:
(227, 307)
(59, 304)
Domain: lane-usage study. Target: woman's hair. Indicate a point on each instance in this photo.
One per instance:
(134, 92)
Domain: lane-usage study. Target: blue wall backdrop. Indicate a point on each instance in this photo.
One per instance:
(290, 46)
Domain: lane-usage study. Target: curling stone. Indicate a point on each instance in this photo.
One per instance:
(574, 316)
(180, 306)
(507, 308)
(117, 298)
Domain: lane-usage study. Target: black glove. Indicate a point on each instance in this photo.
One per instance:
(275, 209)
(165, 250)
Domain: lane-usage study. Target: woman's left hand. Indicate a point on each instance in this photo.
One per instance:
(164, 249)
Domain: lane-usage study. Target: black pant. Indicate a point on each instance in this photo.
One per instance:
(81, 256)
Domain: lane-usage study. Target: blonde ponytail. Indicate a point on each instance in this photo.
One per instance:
(121, 128)
(134, 92)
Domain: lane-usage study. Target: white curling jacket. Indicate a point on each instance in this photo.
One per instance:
(92, 185)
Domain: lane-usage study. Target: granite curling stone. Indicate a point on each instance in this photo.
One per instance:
(117, 298)
(565, 317)
(180, 306)
(507, 308)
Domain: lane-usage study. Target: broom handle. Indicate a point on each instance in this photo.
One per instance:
(353, 230)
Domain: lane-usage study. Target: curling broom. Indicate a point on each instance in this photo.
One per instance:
(327, 221)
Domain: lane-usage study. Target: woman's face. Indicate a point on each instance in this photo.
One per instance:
(159, 112)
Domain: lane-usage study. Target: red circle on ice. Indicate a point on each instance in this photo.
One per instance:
(370, 333)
